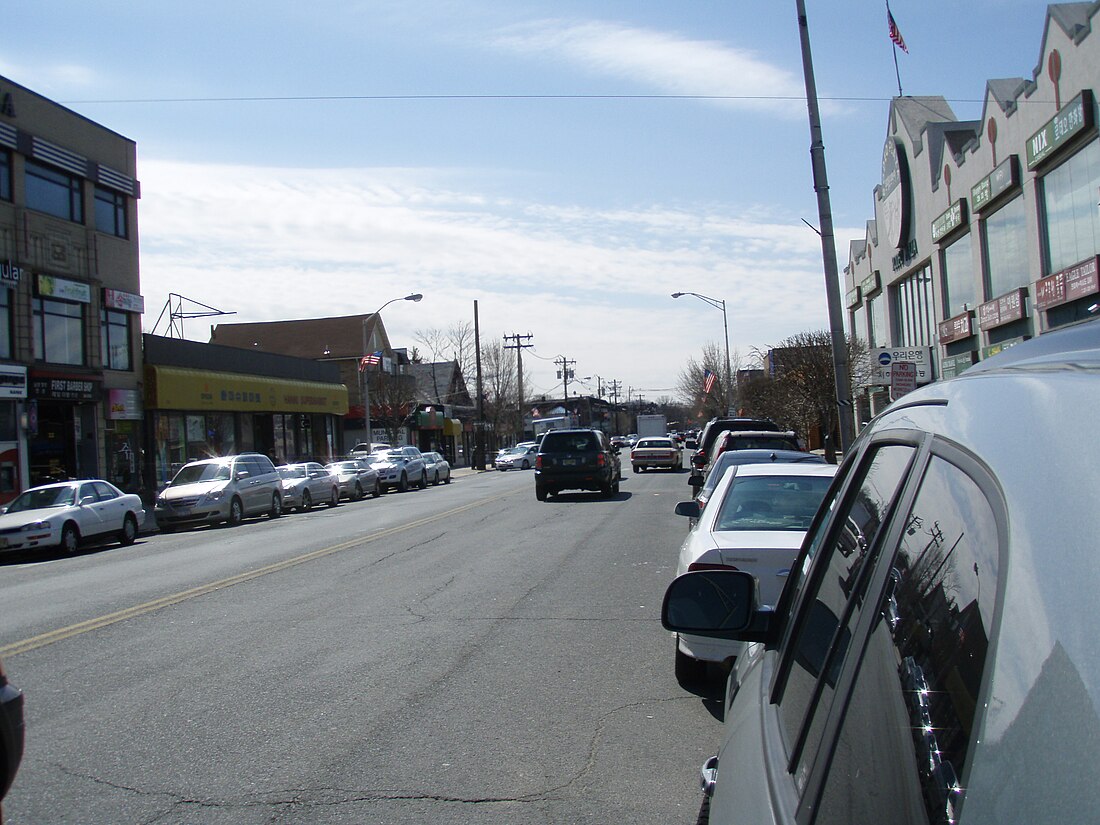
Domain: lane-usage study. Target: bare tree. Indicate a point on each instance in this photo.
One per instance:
(706, 405)
(456, 343)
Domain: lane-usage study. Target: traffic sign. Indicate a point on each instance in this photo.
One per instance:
(903, 378)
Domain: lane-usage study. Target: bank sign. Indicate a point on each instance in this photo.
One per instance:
(882, 361)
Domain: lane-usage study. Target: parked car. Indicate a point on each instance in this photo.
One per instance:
(436, 467)
(308, 483)
(517, 458)
(753, 440)
(656, 453)
(216, 490)
(68, 514)
(363, 449)
(355, 479)
(716, 426)
(400, 468)
(736, 458)
(971, 503)
(576, 460)
(12, 732)
(755, 523)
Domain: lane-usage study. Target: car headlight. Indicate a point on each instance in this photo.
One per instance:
(35, 526)
(214, 495)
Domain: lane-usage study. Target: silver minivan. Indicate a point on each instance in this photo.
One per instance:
(933, 657)
(217, 490)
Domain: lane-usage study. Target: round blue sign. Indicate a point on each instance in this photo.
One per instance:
(884, 358)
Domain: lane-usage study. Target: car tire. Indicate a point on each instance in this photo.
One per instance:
(377, 491)
(236, 512)
(615, 487)
(690, 673)
(70, 538)
(129, 532)
(637, 469)
(540, 492)
(447, 480)
(423, 483)
(357, 494)
(335, 499)
(307, 502)
(276, 506)
(403, 484)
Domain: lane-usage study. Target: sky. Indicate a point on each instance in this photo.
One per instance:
(566, 165)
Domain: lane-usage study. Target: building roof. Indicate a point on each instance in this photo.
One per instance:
(440, 382)
(314, 338)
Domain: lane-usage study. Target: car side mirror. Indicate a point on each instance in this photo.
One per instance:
(86, 500)
(717, 603)
(690, 509)
(695, 479)
(242, 474)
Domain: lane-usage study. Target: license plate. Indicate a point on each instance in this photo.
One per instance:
(569, 462)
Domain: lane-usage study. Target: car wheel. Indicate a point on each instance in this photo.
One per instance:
(615, 487)
(637, 469)
(377, 491)
(307, 502)
(403, 484)
(526, 464)
(540, 492)
(236, 513)
(357, 494)
(435, 480)
(335, 498)
(689, 672)
(129, 530)
(276, 506)
(423, 481)
(447, 480)
(70, 538)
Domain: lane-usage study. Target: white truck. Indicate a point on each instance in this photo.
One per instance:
(652, 425)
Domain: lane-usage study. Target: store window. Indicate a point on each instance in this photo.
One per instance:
(1006, 249)
(110, 212)
(5, 322)
(960, 286)
(1069, 203)
(914, 310)
(58, 331)
(876, 321)
(54, 192)
(115, 340)
(5, 175)
(859, 322)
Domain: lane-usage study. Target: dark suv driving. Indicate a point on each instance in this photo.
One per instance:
(576, 460)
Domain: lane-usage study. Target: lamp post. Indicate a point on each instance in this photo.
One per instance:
(714, 302)
(364, 384)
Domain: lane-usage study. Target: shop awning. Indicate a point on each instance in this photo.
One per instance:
(452, 426)
(180, 388)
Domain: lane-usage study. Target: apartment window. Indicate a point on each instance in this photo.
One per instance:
(1006, 249)
(5, 323)
(58, 331)
(960, 287)
(115, 339)
(1069, 202)
(54, 192)
(5, 176)
(110, 212)
(914, 310)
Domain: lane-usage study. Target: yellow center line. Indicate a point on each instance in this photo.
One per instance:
(62, 633)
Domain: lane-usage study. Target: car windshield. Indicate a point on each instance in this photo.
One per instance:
(43, 498)
(192, 473)
(771, 503)
(297, 471)
(663, 443)
(759, 442)
(344, 466)
(737, 457)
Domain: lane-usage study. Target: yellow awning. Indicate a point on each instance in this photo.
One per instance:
(179, 388)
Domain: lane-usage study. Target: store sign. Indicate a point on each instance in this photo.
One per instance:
(852, 298)
(1074, 118)
(10, 274)
(870, 284)
(124, 405)
(956, 329)
(952, 365)
(13, 381)
(1001, 346)
(893, 205)
(884, 358)
(949, 221)
(903, 378)
(64, 389)
(1002, 310)
(125, 301)
(1004, 178)
(64, 289)
(1079, 281)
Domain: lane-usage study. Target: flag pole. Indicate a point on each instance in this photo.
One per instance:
(894, 48)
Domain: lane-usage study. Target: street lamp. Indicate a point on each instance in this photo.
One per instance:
(364, 384)
(714, 302)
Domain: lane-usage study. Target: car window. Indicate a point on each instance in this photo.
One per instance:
(908, 731)
(830, 607)
(771, 502)
(104, 491)
(571, 443)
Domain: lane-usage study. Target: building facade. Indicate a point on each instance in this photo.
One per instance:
(70, 297)
(986, 232)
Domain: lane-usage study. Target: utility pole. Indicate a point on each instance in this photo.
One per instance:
(565, 374)
(479, 432)
(519, 348)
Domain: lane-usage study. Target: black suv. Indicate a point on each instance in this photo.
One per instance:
(576, 460)
(715, 426)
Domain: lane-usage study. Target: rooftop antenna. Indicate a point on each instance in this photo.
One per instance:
(176, 312)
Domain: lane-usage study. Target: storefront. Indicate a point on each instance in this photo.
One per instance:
(287, 408)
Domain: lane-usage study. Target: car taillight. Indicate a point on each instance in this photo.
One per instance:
(699, 565)
(601, 460)
(538, 462)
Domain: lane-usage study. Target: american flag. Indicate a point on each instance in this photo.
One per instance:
(895, 32)
(708, 381)
(368, 360)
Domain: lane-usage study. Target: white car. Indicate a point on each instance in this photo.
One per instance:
(400, 468)
(754, 522)
(66, 514)
(308, 483)
(520, 457)
(437, 468)
(355, 479)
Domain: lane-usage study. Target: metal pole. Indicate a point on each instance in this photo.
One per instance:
(479, 434)
(828, 244)
(729, 379)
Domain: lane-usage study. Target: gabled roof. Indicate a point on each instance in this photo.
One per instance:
(440, 382)
(340, 337)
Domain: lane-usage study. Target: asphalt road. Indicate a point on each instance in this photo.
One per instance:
(461, 654)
